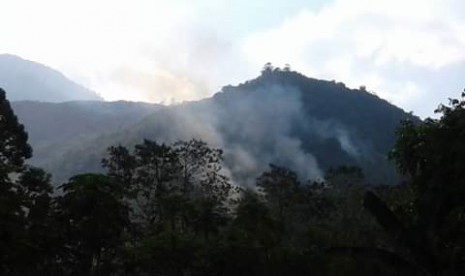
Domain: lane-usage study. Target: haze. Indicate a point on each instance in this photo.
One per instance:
(408, 52)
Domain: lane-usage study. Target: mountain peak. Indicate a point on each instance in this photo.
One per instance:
(28, 80)
(310, 88)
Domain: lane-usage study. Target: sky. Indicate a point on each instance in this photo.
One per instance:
(409, 52)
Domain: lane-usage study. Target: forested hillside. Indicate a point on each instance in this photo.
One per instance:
(281, 117)
(60, 132)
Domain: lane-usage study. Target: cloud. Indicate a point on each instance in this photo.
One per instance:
(368, 43)
(94, 41)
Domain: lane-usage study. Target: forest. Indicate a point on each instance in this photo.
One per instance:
(170, 209)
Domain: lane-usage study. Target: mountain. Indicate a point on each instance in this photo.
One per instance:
(281, 117)
(287, 119)
(28, 80)
(57, 128)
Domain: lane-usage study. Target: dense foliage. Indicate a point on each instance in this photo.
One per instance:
(170, 209)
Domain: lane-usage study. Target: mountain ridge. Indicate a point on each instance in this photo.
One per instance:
(281, 117)
(28, 80)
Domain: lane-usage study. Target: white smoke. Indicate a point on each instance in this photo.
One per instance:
(255, 128)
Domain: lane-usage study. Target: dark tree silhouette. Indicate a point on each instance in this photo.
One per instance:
(24, 199)
(432, 156)
(94, 219)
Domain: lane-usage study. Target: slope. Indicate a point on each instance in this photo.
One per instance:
(28, 80)
(58, 128)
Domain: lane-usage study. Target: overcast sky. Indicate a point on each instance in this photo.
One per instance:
(410, 52)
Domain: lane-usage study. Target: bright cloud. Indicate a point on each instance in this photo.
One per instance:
(370, 43)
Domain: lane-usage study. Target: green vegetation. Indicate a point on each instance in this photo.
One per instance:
(170, 209)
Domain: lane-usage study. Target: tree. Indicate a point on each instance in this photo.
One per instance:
(14, 194)
(280, 186)
(156, 170)
(267, 69)
(39, 222)
(178, 197)
(14, 148)
(432, 157)
(120, 166)
(251, 237)
(94, 218)
(178, 188)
